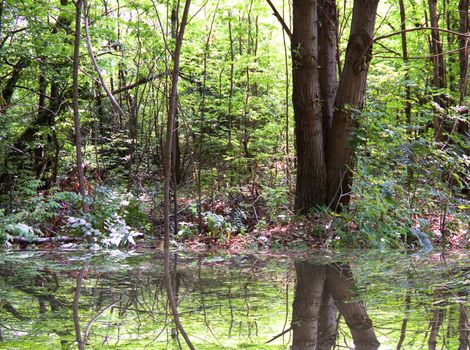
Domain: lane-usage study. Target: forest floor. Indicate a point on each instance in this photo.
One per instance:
(314, 232)
(244, 221)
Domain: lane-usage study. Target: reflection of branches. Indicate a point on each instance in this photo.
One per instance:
(98, 315)
(437, 318)
(230, 305)
(203, 302)
(4, 304)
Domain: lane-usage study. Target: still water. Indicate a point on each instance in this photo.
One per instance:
(304, 300)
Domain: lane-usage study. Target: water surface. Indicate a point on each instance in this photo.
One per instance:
(307, 300)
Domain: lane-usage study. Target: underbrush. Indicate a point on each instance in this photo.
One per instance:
(113, 219)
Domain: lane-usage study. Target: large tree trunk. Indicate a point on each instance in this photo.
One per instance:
(327, 44)
(349, 99)
(306, 305)
(311, 172)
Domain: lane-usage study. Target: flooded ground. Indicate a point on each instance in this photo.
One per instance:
(314, 300)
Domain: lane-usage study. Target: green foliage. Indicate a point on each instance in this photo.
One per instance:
(111, 221)
(277, 202)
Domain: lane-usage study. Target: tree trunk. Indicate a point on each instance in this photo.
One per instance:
(168, 172)
(463, 49)
(306, 305)
(9, 88)
(349, 100)
(311, 172)
(75, 93)
(409, 130)
(439, 69)
(327, 43)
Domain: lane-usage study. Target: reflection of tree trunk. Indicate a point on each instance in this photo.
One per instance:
(464, 326)
(437, 318)
(327, 324)
(306, 306)
(405, 319)
(76, 319)
(339, 283)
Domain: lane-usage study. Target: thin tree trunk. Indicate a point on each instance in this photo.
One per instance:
(340, 154)
(232, 68)
(463, 49)
(167, 172)
(409, 129)
(75, 94)
(439, 69)
(311, 173)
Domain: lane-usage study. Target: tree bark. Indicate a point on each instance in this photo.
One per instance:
(327, 43)
(340, 152)
(311, 173)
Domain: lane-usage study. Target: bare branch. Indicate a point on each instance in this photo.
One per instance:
(280, 19)
(95, 64)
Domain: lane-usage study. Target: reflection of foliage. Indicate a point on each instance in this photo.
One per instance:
(229, 301)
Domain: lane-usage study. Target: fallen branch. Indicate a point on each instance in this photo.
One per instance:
(42, 240)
